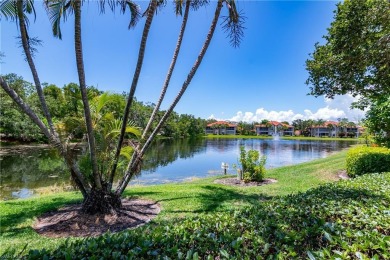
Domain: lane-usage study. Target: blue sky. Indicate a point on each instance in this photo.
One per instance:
(263, 79)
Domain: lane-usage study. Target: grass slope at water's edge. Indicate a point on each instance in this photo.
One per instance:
(177, 200)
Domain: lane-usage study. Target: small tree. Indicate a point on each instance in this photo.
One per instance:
(252, 165)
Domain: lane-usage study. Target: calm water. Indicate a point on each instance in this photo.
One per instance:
(25, 169)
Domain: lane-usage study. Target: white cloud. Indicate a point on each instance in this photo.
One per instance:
(211, 117)
(339, 107)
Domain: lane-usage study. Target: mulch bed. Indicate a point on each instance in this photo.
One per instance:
(69, 221)
(235, 182)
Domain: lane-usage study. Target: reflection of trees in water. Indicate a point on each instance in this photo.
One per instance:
(32, 168)
(221, 145)
(41, 167)
(164, 152)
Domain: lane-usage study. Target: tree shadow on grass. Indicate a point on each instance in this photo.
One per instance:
(23, 211)
(212, 198)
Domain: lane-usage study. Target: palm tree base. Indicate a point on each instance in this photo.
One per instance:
(101, 201)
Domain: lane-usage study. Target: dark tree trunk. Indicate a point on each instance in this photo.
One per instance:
(84, 95)
(101, 201)
(151, 11)
(170, 70)
(135, 163)
(26, 48)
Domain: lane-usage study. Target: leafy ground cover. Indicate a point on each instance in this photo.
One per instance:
(201, 219)
(347, 219)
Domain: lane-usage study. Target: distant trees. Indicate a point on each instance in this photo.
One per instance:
(244, 128)
(65, 107)
(14, 124)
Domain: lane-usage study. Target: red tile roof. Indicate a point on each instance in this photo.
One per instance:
(274, 123)
(326, 124)
(222, 123)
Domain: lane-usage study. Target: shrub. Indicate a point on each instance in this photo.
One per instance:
(342, 134)
(363, 159)
(252, 165)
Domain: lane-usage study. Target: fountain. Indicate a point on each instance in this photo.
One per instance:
(275, 136)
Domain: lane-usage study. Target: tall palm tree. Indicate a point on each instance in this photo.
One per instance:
(100, 197)
(330, 127)
(173, 63)
(17, 10)
(84, 96)
(141, 53)
(97, 192)
(232, 22)
(319, 123)
(343, 125)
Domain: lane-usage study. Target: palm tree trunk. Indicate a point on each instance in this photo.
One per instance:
(134, 164)
(26, 48)
(170, 71)
(141, 53)
(84, 96)
(54, 140)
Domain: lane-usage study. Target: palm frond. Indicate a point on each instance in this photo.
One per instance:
(127, 151)
(29, 8)
(233, 24)
(160, 4)
(8, 10)
(129, 129)
(135, 11)
(196, 4)
(31, 42)
(100, 101)
(179, 7)
(57, 9)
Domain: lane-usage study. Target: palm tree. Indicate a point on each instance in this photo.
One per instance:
(149, 18)
(173, 63)
(310, 124)
(17, 10)
(343, 125)
(330, 127)
(100, 197)
(97, 191)
(319, 123)
(234, 22)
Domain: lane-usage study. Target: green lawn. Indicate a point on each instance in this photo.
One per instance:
(177, 200)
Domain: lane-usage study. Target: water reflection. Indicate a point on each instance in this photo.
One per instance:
(24, 169)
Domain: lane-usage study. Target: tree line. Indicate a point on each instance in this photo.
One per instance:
(65, 107)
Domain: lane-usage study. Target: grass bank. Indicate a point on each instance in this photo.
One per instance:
(177, 200)
(339, 220)
(357, 140)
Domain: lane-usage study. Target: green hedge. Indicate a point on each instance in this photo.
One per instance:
(343, 220)
(363, 159)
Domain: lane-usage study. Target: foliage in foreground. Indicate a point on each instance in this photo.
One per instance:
(348, 219)
(363, 159)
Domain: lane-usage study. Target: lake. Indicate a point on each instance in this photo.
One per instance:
(26, 169)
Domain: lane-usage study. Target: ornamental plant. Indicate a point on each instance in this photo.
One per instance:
(252, 165)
